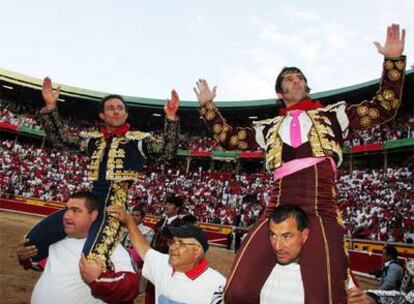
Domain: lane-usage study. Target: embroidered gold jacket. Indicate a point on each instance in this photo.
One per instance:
(330, 125)
(119, 159)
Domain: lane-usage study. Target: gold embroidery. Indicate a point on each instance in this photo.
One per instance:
(274, 145)
(136, 135)
(210, 115)
(388, 94)
(322, 145)
(111, 233)
(210, 105)
(96, 158)
(400, 65)
(223, 136)
(216, 138)
(394, 75)
(395, 103)
(373, 113)
(385, 105)
(388, 64)
(217, 128)
(242, 145)
(365, 121)
(233, 140)
(203, 111)
(242, 134)
(362, 110)
(91, 134)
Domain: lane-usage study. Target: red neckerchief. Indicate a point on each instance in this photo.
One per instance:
(304, 105)
(197, 270)
(121, 130)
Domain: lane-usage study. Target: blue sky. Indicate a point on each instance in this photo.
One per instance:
(146, 48)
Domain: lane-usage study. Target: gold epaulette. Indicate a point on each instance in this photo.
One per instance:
(266, 121)
(137, 135)
(90, 134)
(332, 107)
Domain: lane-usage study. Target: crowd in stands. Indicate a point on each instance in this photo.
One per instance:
(399, 128)
(378, 204)
(17, 114)
(28, 171)
(375, 204)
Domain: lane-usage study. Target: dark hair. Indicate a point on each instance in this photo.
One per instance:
(175, 200)
(140, 210)
(391, 251)
(91, 200)
(188, 219)
(282, 74)
(106, 98)
(282, 213)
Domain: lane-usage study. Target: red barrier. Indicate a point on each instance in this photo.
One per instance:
(369, 147)
(28, 208)
(8, 126)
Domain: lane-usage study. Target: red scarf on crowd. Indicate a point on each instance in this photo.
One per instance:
(119, 131)
(304, 105)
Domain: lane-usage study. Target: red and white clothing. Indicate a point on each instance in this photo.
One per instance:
(196, 286)
(61, 281)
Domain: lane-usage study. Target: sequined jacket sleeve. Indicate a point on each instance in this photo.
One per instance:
(163, 149)
(386, 102)
(229, 137)
(56, 132)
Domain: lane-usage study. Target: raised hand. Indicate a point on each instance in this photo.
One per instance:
(203, 92)
(171, 106)
(90, 270)
(24, 252)
(50, 96)
(394, 42)
(120, 214)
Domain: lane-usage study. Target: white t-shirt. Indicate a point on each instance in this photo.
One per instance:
(175, 287)
(284, 285)
(61, 282)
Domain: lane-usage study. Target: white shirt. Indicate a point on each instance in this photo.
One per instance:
(176, 287)
(305, 125)
(284, 285)
(61, 282)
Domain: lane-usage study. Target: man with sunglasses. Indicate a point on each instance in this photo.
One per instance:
(182, 275)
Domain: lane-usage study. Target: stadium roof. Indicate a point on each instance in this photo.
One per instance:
(36, 83)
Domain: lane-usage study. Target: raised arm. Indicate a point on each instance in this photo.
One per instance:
(165, 149)
(56, 131)
(135, 236)
(385, 104)
(229, 137)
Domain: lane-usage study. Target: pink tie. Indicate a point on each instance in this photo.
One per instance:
(295, 138)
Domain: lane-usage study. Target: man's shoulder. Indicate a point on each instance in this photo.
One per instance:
(396, 265)
(214, 275)
(137, 135)
(266, 122)
(333, 107)
(91, 134)
(155, 256)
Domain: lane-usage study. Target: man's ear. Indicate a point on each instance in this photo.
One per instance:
(101, 116)
(94, 215)
(126, 116)
(305, 234)
(279, 96)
